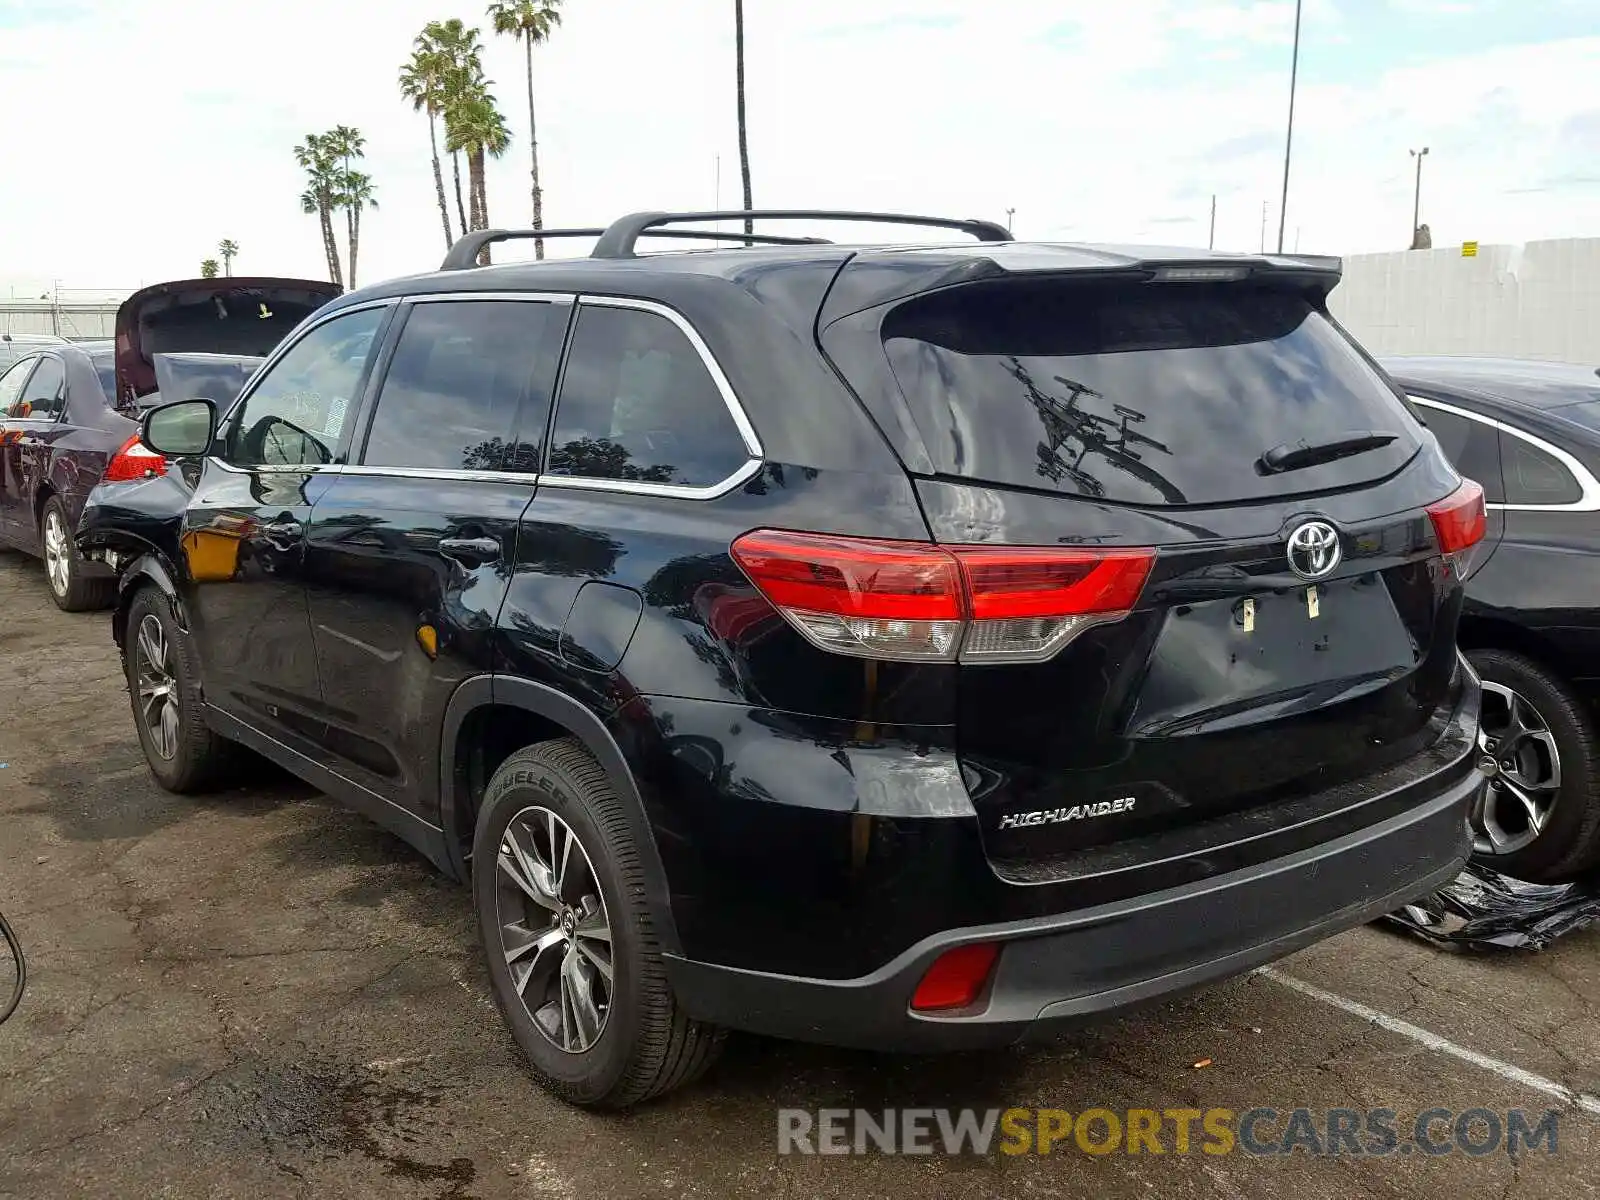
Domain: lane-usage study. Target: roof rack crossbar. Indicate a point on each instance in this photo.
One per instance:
(464, 253)
(619, 239)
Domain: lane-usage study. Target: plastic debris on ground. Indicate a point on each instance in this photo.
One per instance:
(1483, 910)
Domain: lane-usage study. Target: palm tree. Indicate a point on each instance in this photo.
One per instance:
(460, 66)
(320, 198)
(357, 193)
(422, 82)
(744, 137)
(345, 142)
(475, 126)
(532, 21)
(229, 249)
(208, 269)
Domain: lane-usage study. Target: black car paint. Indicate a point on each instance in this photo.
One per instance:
(1535, 582)
(784, 795)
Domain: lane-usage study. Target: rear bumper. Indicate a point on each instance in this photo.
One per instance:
(1057, 970)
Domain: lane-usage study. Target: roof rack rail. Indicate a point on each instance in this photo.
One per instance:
(464, 253)
(620, 237)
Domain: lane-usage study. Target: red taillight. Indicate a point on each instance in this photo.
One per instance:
(956, 977)
(134, 461)
(1459, 519)
(913, 600)
(852, 577)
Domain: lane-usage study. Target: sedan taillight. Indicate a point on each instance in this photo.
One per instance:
(919, 602)
(134, 460)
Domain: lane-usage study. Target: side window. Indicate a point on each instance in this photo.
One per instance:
(297, 413)
(462, 372)
(1535, 477)
(41, 399)
(11, 387)
(637, 403)
(1472, 447)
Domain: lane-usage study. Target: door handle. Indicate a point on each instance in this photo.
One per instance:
(474, 552)
(282, 535)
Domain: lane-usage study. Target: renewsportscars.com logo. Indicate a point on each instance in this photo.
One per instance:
(1334, 1132)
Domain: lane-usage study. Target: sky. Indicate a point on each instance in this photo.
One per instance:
(141, 132)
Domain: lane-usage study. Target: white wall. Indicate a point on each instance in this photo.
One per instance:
(75, 322)
(1538, 300)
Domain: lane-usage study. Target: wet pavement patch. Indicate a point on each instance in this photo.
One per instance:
(311, 1111)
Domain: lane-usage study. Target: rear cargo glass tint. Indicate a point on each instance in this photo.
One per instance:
(1138, 393)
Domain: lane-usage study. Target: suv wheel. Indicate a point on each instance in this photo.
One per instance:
(572, 953)
(184, 754)
(63, 569)
(1540, 815)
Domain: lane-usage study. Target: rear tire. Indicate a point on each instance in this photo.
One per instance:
(627, 1040)
(1542, 736)
(184, 753)
(64, 571)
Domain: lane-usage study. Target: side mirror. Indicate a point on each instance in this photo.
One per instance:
(180, 430)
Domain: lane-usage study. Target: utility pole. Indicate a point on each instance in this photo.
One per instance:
(1416, 205)
(1263, 227)
(1288, 141)
(1211, 239)
(55, 309)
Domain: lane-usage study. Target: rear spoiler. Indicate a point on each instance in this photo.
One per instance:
(869, 280)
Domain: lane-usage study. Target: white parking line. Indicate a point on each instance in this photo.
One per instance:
(1582, 1100)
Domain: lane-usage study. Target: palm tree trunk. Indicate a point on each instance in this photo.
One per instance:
(455, 167)
(480, 196)
(533, 150)
(329, 244)
(744, 139)
(350, 238)
(355, 240)
(438, 181)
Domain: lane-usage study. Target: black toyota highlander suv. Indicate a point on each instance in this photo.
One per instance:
(910, 646)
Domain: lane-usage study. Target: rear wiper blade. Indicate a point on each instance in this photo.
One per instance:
(1292, 456)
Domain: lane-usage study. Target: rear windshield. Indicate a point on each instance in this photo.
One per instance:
(105, 366)
(1137, 393)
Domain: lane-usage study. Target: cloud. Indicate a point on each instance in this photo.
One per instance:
(1094, 121)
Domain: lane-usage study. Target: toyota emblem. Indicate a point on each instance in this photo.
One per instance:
(1314, 549)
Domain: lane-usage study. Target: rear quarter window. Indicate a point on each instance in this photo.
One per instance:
(1148, 394)
(638, 404)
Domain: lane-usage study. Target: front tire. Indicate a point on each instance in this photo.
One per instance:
(572, 952)
(1540, 818)
(184, 753)
(70, 588)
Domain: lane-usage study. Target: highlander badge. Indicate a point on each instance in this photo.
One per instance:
(1054, 816)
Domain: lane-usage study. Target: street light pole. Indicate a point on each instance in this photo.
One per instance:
(1416, 206)
(1288, 140)
(1011, 214)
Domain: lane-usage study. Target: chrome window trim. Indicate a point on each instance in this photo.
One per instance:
(1588, 486)
(670, 491)
(273, 469)
(530, 297)
(719, 379)
(442, 473)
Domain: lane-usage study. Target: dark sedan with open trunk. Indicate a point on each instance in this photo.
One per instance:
(69, 412)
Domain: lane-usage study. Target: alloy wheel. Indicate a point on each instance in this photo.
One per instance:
(1519, 754)
(158, 700)
(554, 931)
(57, 554)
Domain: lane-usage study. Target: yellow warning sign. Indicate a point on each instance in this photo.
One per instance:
(1469, 249)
